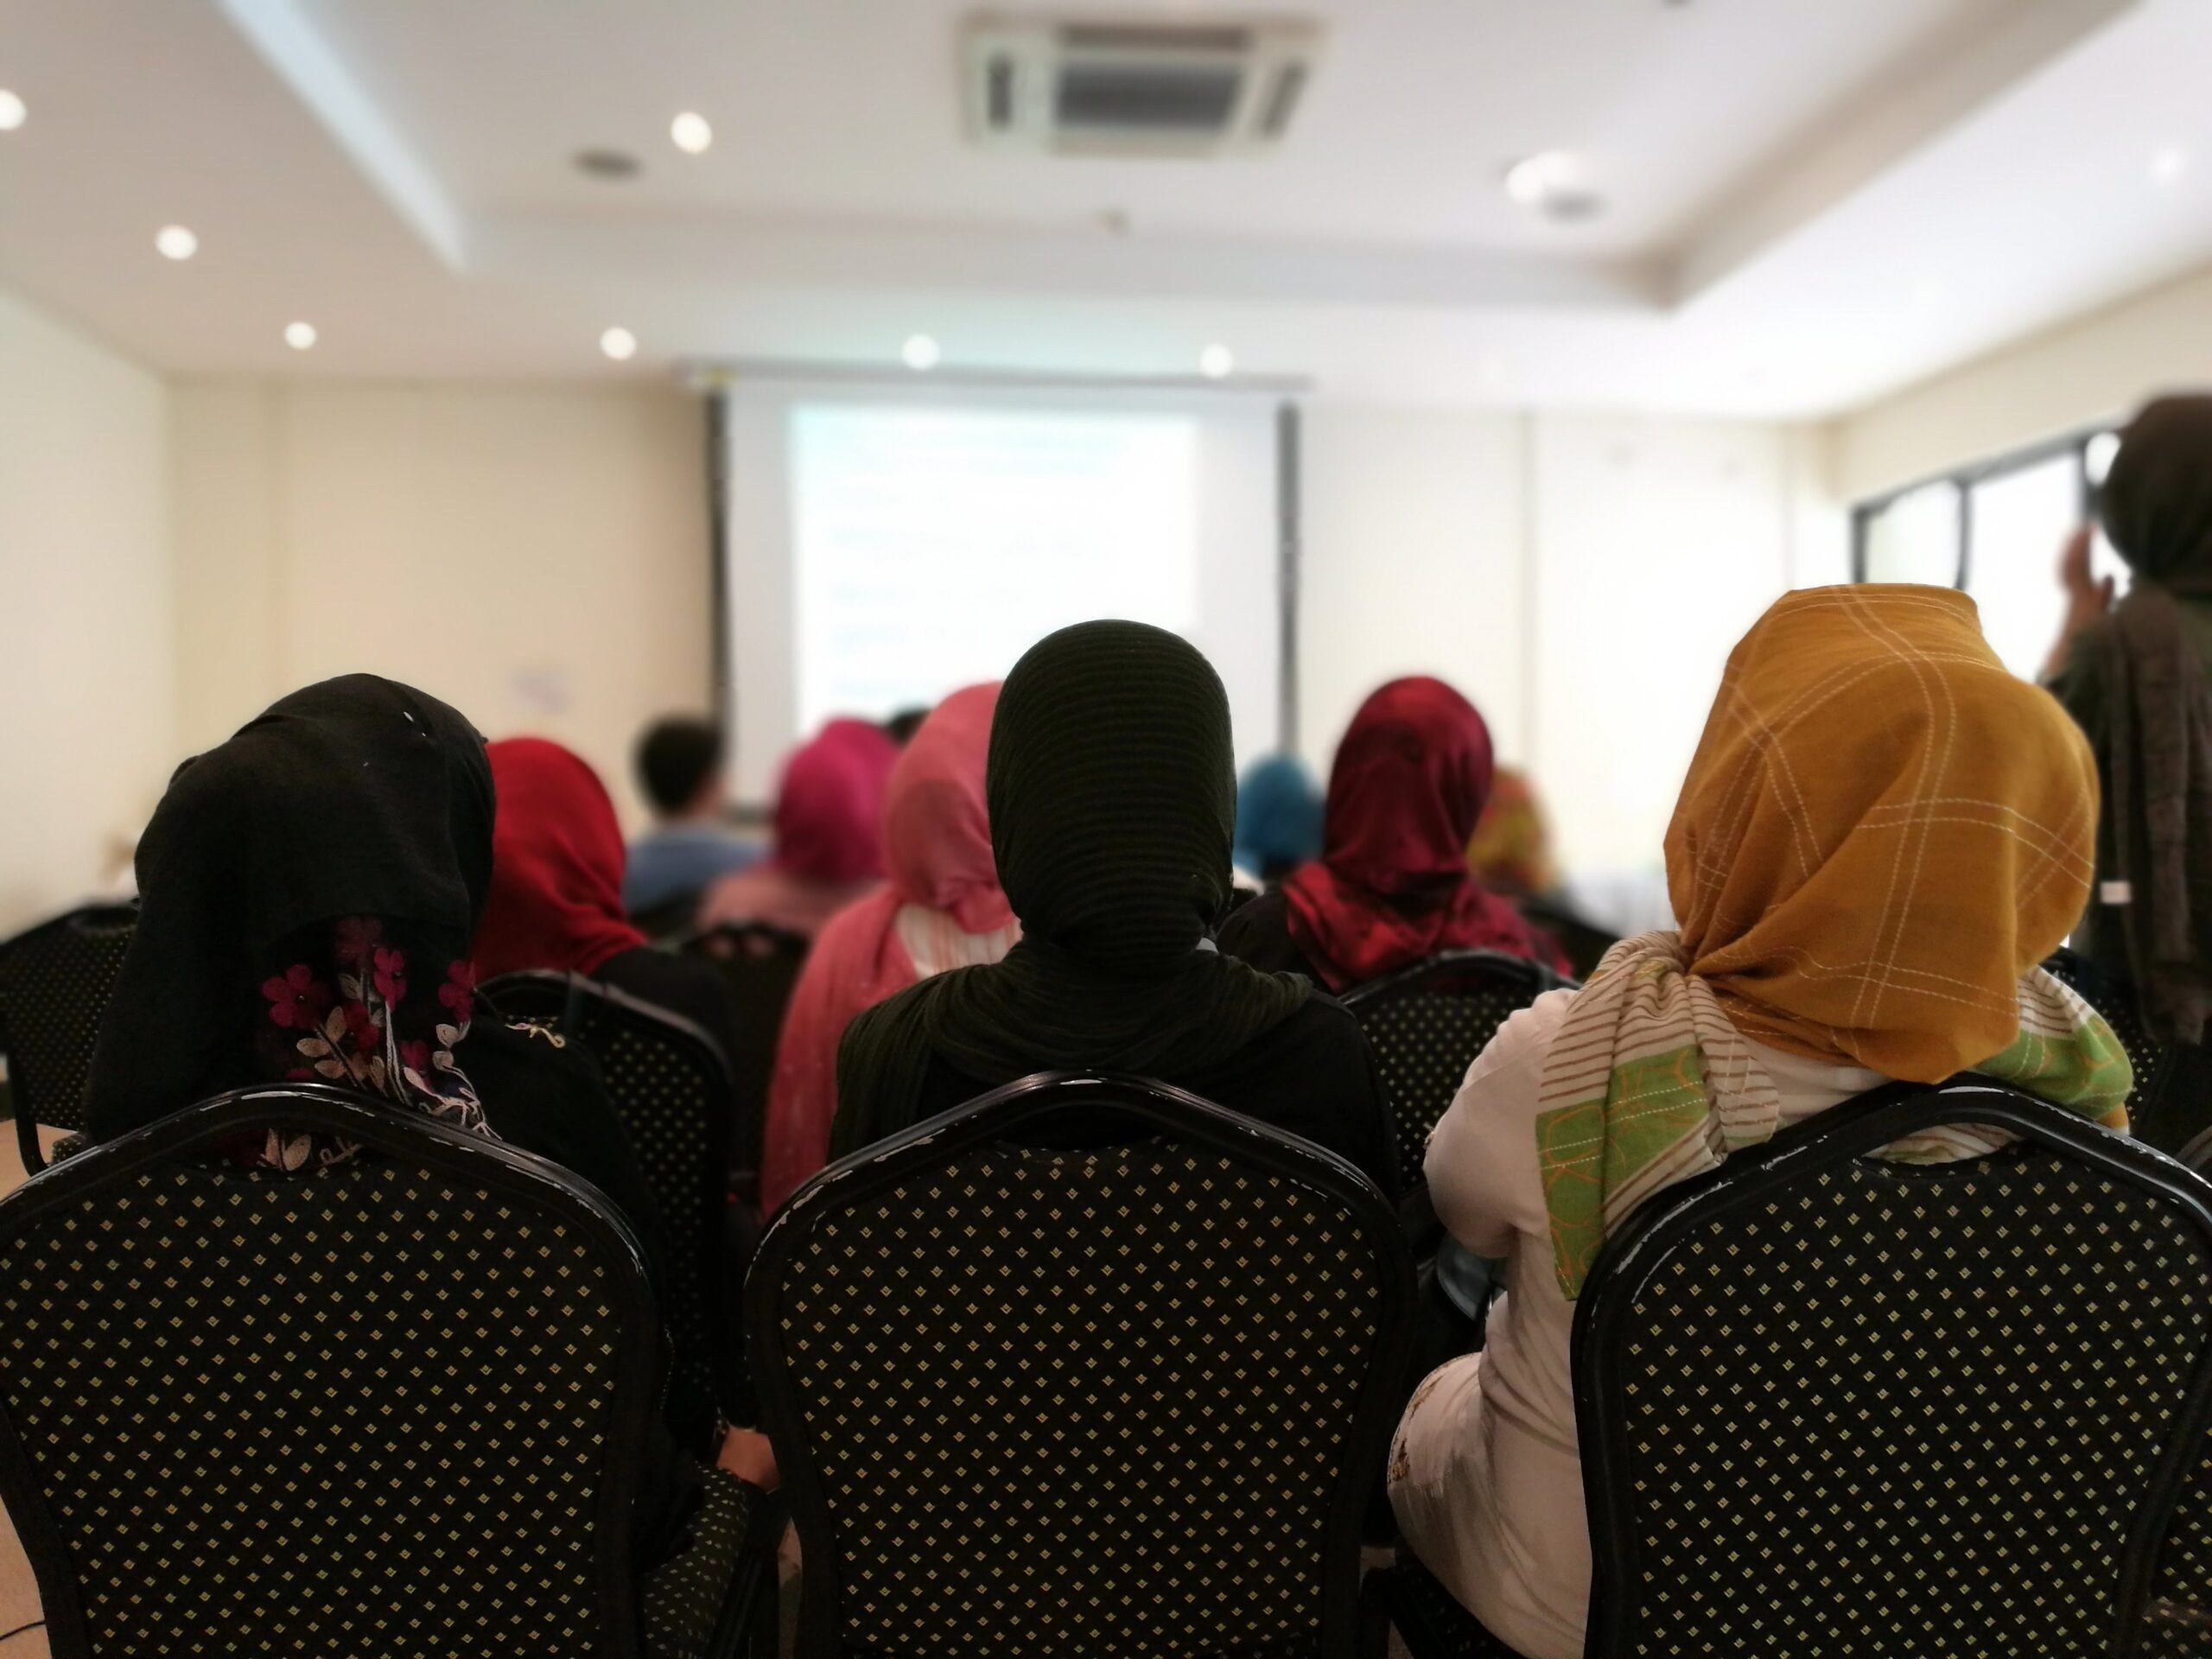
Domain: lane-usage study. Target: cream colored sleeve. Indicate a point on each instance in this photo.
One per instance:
(1481, 1164)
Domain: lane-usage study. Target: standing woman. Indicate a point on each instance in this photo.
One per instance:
(1112, 794)
(941, 909)
(829, 835)
(1392, 886)
(2137, 678)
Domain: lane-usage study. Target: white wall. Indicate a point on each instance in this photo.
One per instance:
(2094, 369)
(87, 666)
(1581, 577)
(537, 556)
(1413, 562)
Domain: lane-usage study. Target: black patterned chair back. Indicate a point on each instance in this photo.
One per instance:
(2171, 1104)
(670, 1087)
(1087, 1366)
(1834, 1405)
(393, 1406)
(761, 966)
(1427, 1022)
(55, 981)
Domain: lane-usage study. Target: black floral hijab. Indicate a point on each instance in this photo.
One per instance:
(342, 1010)
(308, 892)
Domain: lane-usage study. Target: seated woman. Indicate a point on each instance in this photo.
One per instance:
(941, 909)
(1882, 833)
(1392, 886)
(1112, 798)
(307, 894)
(829, 835)
(1278, 820)
(557, 891)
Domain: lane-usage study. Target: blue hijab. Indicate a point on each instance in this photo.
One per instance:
(1278, 817)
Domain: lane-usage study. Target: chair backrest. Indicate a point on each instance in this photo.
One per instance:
(761, 965)
(1086, 1366)
(393, 1405)
(1833, 1404)
(2171, 1102)
(55, 981)
(670, 1086)
(1427, 1022)
(1584, 941)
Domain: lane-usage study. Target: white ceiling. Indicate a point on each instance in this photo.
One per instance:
(1809, 203)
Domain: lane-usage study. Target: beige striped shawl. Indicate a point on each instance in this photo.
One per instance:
(1648, 1082)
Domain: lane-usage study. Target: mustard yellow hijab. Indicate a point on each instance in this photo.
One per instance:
(1882, 835)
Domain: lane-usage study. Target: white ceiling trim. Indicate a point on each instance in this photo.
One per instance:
(296, 50)
(1883, 135)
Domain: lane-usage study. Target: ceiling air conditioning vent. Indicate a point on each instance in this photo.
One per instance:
(1136, 89)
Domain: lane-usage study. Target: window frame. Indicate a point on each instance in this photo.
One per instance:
(1964, 479)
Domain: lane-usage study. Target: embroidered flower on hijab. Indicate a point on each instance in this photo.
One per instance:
(390, 965)
(364, 1027)
(357, 936)
(414, 1058)
(297, 1000)
(458, 992)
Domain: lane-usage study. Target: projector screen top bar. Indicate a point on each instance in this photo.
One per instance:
(711, 374)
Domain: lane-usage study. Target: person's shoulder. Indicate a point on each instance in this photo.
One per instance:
(1260, 916)
(690, 986)
(517, 1053)
(1321, 1025)
(1516, 1055)
(889, 1014)
(1258, 933)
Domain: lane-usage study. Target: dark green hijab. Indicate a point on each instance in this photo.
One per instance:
(1112, 791)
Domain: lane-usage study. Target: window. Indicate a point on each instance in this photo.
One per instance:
(1914, 538)
(2020, 520)
(1995, 531)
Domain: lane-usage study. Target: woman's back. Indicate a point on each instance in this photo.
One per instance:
(1882, 833)
(1112, 803)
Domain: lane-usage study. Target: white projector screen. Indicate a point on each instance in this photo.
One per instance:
(886, 547)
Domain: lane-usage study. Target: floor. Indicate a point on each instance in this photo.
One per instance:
(19, 1596)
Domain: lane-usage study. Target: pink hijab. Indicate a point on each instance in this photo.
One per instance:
(828, 835)
(937, 846)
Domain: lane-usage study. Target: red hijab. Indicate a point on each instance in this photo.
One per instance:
(830, 805)
(1392, 886)
(557, 865)
(938, 844)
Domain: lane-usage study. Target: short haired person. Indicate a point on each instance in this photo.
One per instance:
(687, 849)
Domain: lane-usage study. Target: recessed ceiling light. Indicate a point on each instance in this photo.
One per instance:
(299, 335)
(619, 344)
(613, 165)
(2168, 163)
(174, 242)
(690, 133)
(920, 352)
(12, 112)
(1552, 182)
(1214, 362)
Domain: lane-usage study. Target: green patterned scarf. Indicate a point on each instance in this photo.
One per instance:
(1648, 1083)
